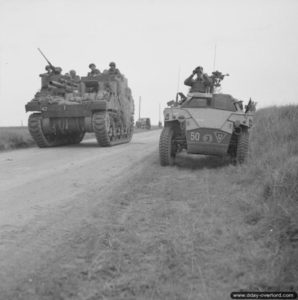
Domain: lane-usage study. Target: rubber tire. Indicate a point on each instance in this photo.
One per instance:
(242, 147)
(167, 152)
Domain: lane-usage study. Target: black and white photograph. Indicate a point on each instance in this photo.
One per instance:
(148, 149)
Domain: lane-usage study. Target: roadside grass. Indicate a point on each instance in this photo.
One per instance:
(15, 137)
(273, 173)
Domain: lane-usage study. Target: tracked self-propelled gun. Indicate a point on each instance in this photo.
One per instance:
(65, 109)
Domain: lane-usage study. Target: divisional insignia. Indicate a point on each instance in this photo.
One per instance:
(207, 138)
(220, 136)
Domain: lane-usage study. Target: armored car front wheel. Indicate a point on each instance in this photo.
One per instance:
(167, 147)
(242, 147)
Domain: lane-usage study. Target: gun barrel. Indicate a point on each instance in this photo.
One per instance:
(68, 82)
(57, 84)
(52, 67)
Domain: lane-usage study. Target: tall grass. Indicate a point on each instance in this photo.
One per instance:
(15, 137)
(273, 169)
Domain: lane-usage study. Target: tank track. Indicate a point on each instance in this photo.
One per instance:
(106, 131)
(42, 140)
(50, 140)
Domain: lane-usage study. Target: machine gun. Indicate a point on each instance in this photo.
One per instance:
(49, 63)
(217, 77)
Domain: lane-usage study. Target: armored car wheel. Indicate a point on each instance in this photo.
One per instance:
(232, 150)
(41, 138)
(242, 147)
(167, 147)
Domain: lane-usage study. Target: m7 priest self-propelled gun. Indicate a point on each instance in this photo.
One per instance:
(65, 109)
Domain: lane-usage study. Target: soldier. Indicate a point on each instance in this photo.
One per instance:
(94, 71)
(74, 77)
(45, 77)
(48, 73)
(113, 70)
(57, 71)
(201, 84)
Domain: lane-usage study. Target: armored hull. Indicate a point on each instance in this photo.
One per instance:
(64, 112)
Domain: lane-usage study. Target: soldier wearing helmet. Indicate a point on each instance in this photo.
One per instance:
(48, 73)
(58, 71)
(74, 77)
(113, 70)
(201, 83)
(94, 72)
(45, 77)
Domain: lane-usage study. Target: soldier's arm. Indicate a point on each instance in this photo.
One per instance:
(189, 80)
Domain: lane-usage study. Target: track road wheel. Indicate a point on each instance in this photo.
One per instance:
(242, 147)
(42, 140)
(167, 147)
(102, 128)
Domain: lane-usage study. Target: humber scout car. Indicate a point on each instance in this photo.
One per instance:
(208, 124)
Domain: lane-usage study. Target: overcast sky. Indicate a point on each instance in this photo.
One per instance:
(156, 44)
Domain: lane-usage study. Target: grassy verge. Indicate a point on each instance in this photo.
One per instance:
(272, 175)
(15, 137)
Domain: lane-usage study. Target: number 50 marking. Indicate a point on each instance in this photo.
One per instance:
(195, 136)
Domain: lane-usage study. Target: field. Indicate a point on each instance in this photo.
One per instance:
(199, 230)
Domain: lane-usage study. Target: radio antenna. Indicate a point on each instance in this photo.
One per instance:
(178, 83)
(214, 59)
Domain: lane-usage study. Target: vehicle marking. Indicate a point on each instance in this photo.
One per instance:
(207, 138)
(219, 136)
(195, 136)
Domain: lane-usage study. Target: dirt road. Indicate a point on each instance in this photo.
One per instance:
(48, 194)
